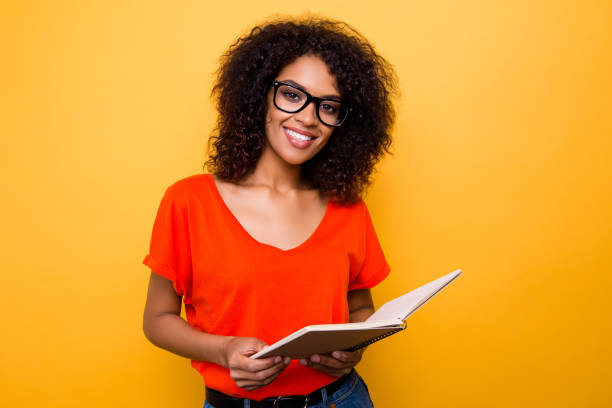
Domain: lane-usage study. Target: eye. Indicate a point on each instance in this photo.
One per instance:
(290, 95)
(329, 108)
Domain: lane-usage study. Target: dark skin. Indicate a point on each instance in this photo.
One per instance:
(164, 327)
(275, 209)
(338, 362)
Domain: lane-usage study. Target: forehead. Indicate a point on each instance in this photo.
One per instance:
(312, 74)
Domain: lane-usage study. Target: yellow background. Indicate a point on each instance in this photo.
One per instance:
(501, 167)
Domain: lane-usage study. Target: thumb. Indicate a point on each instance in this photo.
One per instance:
(252, 347)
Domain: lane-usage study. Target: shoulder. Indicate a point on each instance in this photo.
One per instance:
(352, 216)
(191, 182)
(189, 185)
(188, 191)
(357, 207)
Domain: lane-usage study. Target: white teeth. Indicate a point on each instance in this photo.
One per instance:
(298, 136)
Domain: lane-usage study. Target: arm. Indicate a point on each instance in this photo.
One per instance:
(164, 327)
(339, 363)
(360, 305)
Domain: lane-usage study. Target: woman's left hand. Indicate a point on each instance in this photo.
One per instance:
(335, 364)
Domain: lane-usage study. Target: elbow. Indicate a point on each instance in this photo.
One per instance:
(154, 326)
(147, 329)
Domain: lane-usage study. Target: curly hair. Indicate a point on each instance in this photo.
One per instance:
(365, 80)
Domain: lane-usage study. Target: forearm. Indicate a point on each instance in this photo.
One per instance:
(341, 362)
(360, 305)
(171, 332)
(361, 314)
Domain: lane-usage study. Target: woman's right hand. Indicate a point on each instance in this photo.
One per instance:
(164, 327)
(249, 373)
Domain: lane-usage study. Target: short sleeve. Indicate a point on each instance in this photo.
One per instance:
(169, 251)
(370, 267)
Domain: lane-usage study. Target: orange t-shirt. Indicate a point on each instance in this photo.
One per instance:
(233, 285)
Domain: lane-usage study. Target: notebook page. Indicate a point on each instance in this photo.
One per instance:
(405, 305)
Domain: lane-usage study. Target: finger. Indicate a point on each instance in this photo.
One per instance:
(254, 365)
(249, 383)
(270, 379)
(327, 361)
(252, 349)
(347, 356)
(257, 376)
(270, 374)
(253, 385)
(247, 345)
(270, 362)
(336, 372)
(249, 386)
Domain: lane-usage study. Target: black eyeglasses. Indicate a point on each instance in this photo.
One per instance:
(291, 99)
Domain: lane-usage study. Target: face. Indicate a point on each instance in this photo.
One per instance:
(297, 137)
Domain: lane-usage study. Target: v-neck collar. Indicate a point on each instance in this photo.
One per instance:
(239, 226)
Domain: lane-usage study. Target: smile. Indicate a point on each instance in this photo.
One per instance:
(297, 139)
(297, 135)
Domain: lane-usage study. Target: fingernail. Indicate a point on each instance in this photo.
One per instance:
(277, 360)
(303, 362)
(336, 354)
(287, 360)
(315, 359)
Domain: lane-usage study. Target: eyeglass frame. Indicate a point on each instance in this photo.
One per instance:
(309, 98)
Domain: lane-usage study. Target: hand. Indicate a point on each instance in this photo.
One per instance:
(249, 373)
(335, 364)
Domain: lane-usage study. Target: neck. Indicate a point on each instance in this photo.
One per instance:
(275, 173)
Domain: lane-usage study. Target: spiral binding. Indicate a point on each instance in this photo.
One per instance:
(375, 339)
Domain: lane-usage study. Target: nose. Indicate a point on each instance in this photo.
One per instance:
(308, 115)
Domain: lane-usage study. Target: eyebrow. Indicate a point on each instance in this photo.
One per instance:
(290, 82)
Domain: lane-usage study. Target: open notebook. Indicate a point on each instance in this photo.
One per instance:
(387, 320)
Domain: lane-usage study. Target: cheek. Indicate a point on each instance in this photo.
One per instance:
(328, 133)
(327, 136)
(276, 118)
(272, 118)
(273, 123)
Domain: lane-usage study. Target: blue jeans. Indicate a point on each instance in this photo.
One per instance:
(352, 394)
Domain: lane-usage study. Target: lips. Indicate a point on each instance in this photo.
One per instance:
(299, 133)
(299, 138)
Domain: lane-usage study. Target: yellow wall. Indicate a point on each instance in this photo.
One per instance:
(501, 167)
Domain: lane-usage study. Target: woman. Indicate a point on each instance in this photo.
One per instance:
(277, 237)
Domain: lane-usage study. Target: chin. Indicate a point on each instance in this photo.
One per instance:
(297, 161)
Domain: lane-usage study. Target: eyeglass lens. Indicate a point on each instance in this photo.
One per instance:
(292, 99)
